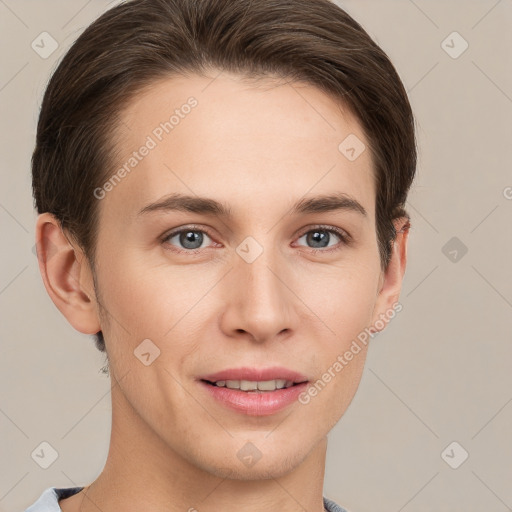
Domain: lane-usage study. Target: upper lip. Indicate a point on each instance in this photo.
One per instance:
(256, 374)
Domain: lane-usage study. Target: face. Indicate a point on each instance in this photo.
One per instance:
(256, 278)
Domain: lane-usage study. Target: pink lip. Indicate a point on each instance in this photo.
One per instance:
(256, 374)
(253, 403)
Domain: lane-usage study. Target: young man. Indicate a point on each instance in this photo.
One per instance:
(221, 189)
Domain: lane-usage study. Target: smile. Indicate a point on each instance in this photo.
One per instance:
(254, 386)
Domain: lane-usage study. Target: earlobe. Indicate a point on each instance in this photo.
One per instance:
(66, 275)
(390, 283)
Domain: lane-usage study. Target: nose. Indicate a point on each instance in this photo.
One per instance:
(259, 303)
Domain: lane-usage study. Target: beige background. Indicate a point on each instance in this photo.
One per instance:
(439, 373)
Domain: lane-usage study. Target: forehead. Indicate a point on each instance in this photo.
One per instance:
(244, 142)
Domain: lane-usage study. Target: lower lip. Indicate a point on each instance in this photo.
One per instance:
(255, 404)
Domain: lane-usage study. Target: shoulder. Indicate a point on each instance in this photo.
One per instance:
(331, 506)
(49, 499)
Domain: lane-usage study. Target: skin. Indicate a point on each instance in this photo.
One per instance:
(259, 148)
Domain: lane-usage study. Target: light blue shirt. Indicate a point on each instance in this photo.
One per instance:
(49, 500)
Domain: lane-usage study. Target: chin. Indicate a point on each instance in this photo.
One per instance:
(269, 465)
(259, 471)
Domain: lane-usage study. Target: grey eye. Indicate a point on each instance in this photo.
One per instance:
(188, 238)
(320, 238)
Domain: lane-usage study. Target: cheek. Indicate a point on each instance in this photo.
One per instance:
(343, 298)
(165, 304)
(143, 300)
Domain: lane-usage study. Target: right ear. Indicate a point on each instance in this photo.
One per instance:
(67, 275)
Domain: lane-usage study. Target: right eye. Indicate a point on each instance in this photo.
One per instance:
(188, 239)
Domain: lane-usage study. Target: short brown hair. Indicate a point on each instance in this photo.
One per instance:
(140, 41)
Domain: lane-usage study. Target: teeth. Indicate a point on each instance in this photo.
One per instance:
(252, 385)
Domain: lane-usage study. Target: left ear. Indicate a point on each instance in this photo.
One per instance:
(390, 282)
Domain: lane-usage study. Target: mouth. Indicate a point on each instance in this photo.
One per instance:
(255, 391)
(248, 386)
(255, 397)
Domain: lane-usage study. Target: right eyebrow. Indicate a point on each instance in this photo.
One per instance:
(187, 203)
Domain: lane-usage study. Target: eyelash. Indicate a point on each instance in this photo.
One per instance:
(345, 238)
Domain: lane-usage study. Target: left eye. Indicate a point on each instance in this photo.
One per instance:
(320, 237)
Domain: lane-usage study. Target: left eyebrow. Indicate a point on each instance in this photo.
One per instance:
(329, 203)
(203, 205)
